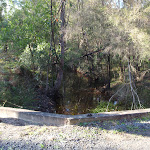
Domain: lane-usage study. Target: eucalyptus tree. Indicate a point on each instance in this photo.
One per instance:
(3, 22)
(92, 31)
(2, 8)
(41, 24)
(134, 22)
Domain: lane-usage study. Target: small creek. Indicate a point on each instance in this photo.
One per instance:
(80, 95)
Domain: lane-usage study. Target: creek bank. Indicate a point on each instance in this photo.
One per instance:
(80, 94)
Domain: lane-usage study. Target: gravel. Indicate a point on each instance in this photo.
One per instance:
(109, 135)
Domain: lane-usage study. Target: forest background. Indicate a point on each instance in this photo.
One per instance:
(73, 56)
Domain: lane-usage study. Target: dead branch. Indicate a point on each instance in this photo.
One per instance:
(114, 95)
(133, 91)
(6, 101)
(139, 75)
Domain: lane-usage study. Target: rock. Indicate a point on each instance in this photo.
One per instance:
(89, 115)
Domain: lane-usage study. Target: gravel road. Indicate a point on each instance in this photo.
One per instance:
(109, 135)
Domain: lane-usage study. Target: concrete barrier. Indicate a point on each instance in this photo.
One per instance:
(59, 119)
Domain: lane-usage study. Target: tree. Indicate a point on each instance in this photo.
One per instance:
(62, 44)
(2, 8)
(94, 37)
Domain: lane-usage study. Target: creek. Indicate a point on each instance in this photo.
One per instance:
(79, 94)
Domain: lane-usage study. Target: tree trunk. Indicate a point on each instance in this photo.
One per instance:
(32, 58)
(62, 42)
(108, 71)
(103, 2)
(121, 71)
(5, 48)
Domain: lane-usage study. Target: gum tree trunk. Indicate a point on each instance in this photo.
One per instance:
(62, 43)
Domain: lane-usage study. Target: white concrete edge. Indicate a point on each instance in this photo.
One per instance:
(60, 119)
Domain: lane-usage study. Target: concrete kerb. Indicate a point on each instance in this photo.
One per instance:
(60, 120)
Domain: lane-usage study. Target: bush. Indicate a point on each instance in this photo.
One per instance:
(103, 106)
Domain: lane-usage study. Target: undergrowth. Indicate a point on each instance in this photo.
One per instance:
(102, 107)
(15, 90)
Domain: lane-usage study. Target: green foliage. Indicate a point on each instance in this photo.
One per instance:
(15, 91)
(144, 93)
(103, 106)
(100, 38)
(21, 95)
(2, 8)
(42, 146)
(38, 55)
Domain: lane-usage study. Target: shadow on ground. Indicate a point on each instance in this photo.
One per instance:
(17, 122)
(137, 126)
(51, 145)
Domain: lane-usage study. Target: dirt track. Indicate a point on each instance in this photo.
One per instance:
(110, 135)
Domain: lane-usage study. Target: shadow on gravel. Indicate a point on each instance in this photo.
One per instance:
(135, 126)
(52, 145)
(17, 122)
(24, 145)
